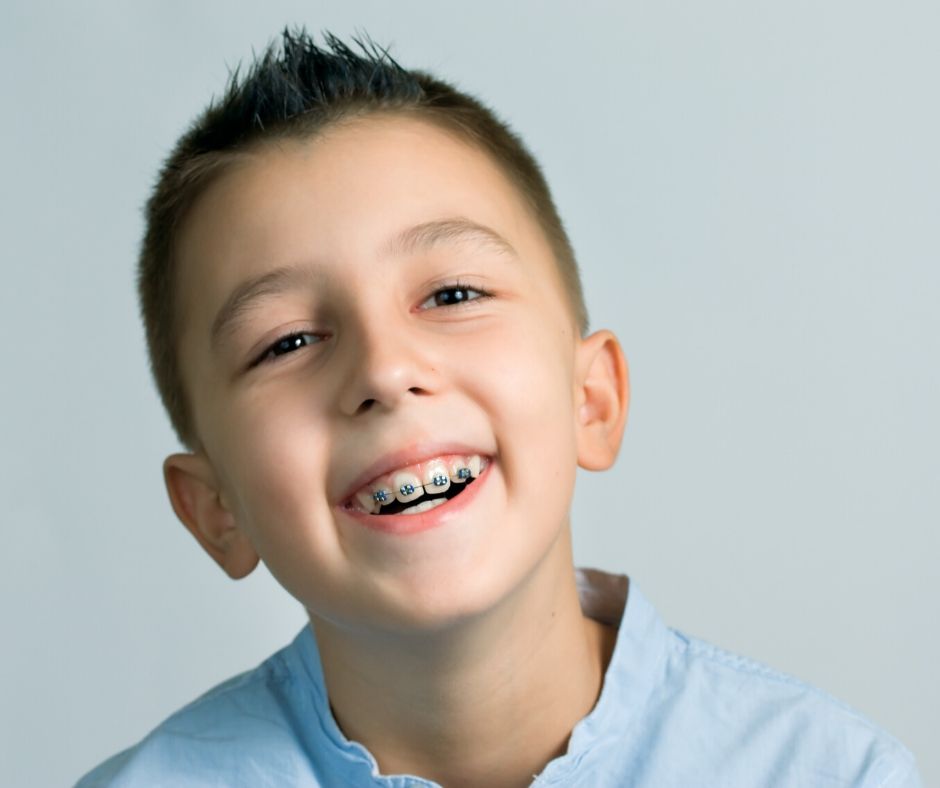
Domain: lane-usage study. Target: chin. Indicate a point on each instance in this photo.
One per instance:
(446, 597)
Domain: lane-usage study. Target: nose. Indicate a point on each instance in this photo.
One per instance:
(386, 365)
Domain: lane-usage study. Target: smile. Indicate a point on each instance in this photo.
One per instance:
(418, 488)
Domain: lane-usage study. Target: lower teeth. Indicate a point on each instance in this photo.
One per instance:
(423, 506)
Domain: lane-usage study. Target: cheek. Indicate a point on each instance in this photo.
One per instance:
(535, 419)
(536, 384)
(274, 459)
(279, 478)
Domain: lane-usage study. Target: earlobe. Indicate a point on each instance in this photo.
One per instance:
(603, 398)
(199, 504)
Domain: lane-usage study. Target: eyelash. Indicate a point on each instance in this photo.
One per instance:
(480, 294)
(287, 343)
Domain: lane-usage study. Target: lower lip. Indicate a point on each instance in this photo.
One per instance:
(407, 524)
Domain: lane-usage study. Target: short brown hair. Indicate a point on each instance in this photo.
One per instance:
(295, 89)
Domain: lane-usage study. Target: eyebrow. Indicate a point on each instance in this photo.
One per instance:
(452, 230)
(246, 295)
(420, 237)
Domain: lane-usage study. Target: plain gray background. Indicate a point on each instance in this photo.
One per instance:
(752, 191)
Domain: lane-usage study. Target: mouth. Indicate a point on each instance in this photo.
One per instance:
(417, 488)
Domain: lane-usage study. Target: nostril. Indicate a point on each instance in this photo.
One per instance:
(372, 402)
(366, 405)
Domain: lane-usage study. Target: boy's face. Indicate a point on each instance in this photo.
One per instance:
(426, 320)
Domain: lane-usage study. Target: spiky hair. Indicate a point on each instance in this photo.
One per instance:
(286, 84)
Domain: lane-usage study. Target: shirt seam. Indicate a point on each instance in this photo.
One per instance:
(261, 675)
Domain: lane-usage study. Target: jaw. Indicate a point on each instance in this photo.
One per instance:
(458, 604)
(436, 573)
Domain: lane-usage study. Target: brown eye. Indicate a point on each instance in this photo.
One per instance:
(289, 344)
(452, 296)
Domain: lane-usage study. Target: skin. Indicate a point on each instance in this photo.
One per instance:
(441, 648)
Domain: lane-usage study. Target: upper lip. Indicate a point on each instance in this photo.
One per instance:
(401, 458)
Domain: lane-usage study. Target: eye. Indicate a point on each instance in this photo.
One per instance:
(288, 344)
(452, 295)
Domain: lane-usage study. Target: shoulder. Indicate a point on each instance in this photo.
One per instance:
(247, 720)
(677, 711)
(775, 728)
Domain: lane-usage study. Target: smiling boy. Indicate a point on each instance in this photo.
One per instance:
(366, 323)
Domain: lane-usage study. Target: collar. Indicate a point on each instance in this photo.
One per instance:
(635, 668)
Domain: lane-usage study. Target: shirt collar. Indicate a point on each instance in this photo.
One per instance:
(635, 668)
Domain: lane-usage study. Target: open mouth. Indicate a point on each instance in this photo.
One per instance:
(428, 501)
(418, 488)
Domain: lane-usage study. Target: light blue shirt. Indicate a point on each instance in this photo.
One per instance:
(673, 711)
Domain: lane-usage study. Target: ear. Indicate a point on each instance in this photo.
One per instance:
(603, 397)
(199, 504)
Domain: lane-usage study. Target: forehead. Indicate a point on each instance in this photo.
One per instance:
(335, 200)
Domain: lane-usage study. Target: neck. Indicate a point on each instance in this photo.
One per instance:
(489, 702)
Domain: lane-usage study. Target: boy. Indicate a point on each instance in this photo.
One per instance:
(366, 323)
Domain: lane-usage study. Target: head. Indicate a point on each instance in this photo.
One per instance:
(297, 92)
(353, 272)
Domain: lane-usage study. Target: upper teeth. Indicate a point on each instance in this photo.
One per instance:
(436, 478)
(409, 484)
(407, 487)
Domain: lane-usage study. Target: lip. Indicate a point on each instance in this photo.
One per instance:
(408, 524)
(410, 455)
